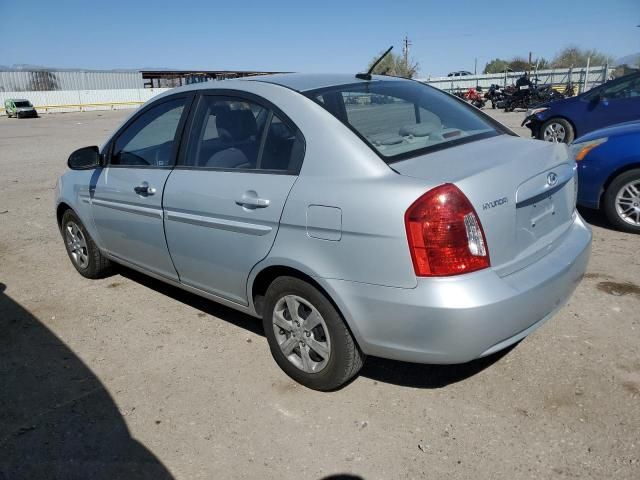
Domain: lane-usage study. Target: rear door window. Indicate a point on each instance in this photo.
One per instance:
(625, 89)
(238, 134)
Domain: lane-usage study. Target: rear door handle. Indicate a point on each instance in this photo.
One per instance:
(144, 189)
(251, 200)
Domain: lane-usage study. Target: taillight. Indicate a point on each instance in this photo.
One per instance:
(445, 235)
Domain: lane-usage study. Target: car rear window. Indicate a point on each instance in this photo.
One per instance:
(400, 119)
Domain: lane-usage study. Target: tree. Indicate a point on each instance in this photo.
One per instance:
(497, 65)
(395, 66)
(542, 63)
(577, 57)
(518, 64)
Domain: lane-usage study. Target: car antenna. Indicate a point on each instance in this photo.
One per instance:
(367, 76)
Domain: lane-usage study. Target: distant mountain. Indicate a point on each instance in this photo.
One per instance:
(631, 60)
(27, 67)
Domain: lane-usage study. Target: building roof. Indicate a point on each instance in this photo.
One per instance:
(210, 73)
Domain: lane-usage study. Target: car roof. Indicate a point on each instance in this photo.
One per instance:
(303, 82)
(17, 100)
(300, 82)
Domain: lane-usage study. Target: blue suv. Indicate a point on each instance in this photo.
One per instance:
(613, 102)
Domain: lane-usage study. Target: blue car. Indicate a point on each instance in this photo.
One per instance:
(609, 173)
(613, 102)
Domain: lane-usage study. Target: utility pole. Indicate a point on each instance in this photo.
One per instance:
(405, 49)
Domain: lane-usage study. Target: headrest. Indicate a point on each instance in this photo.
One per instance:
(419, 129)
(236, 124)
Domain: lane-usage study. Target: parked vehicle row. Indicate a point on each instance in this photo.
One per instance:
(511, 97)
(415, 228)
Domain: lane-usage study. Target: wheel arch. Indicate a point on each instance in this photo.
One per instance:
(262, 278)
(625, 168)
(60, 209)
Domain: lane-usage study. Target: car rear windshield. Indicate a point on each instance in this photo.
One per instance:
(22, 104)
(401, 119)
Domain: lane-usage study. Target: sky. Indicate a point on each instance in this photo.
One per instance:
(320, 36)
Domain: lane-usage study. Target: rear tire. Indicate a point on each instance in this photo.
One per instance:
(82, 250)
(313, 345)
(622, 201)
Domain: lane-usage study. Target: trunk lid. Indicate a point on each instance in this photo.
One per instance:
(522, 190)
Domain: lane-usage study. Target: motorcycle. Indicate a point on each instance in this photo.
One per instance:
(546, 93)
(474, 97)
(494, 95)
(518, 97)
(460, 94)
(528, 96)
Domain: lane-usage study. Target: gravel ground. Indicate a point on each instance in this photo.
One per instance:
(128, 378)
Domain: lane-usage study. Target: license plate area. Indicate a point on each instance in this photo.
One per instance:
(537, 219)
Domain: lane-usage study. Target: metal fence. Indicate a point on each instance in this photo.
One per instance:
(83, 100)
(41, 80)
(581, 78)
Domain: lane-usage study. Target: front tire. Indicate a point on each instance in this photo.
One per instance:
(82, 250)
(622, 201)
(556, 130)
(307, 336)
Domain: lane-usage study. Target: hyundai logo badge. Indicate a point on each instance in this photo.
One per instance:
(552, 179)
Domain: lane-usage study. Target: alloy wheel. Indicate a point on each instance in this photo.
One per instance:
(77, 244)
(554, 132)
(301, 333)
(628, 203)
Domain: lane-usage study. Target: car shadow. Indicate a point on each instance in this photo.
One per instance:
(343, 476)
(418, 375)
(379, 369)
(57, 420)
(209, 307)
(595, 218)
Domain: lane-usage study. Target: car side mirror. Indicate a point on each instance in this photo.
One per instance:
(596, 99)
(85, 158)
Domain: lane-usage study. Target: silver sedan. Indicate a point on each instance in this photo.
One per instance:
(354, 216)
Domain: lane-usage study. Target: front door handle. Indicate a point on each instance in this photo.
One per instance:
(251, 200)
(144, 189)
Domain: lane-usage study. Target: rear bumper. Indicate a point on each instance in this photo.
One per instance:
(458, 319)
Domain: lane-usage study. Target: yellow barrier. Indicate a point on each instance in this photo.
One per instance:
(80, 105)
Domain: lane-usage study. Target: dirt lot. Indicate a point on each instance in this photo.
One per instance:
(128, 378)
